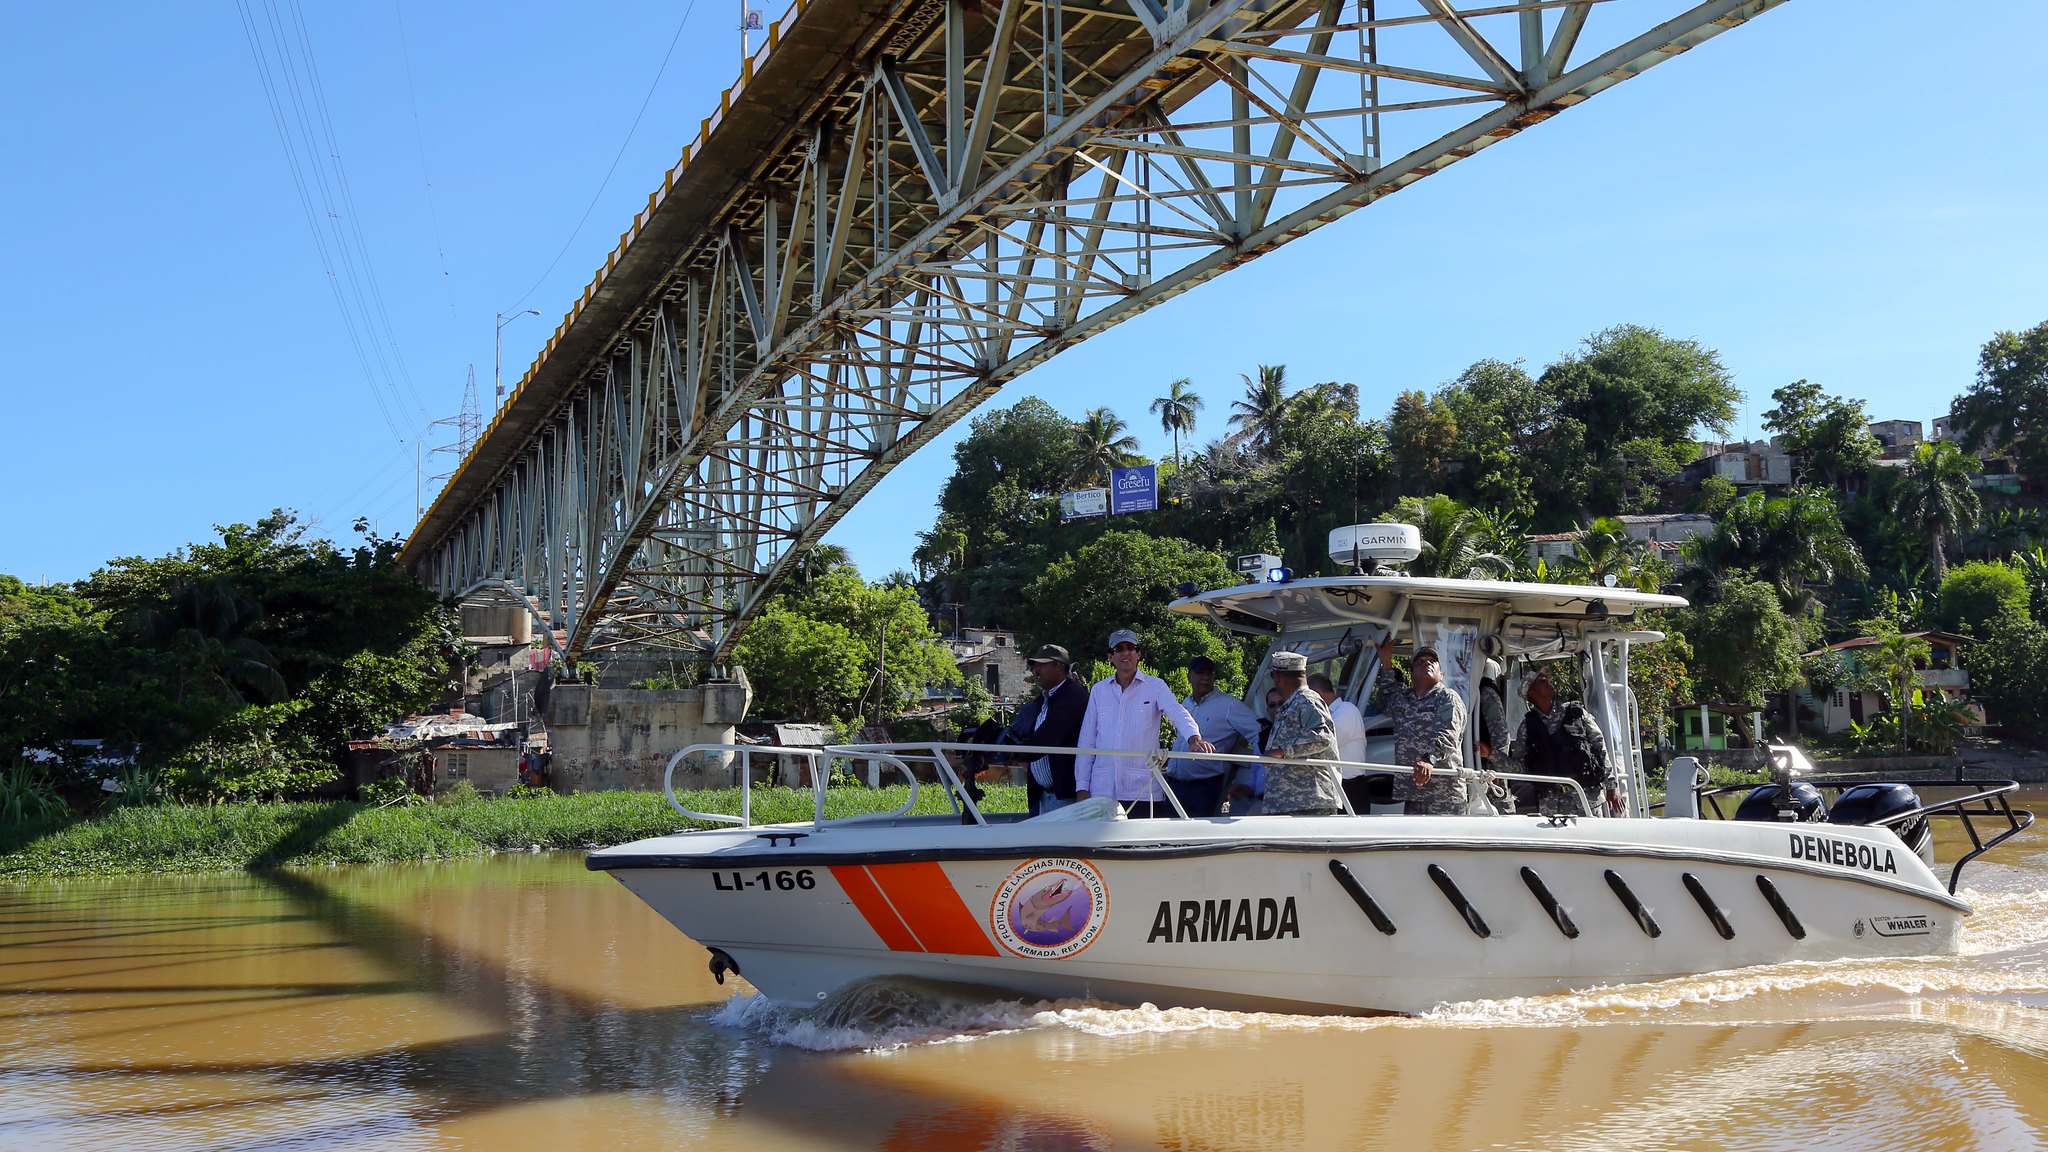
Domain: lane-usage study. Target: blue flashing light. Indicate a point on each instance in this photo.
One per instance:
(1279, 575)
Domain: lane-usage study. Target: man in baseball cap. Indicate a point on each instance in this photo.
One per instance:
(1051, 719)
(1123, 715)
(1429, 731)
(1302, 730)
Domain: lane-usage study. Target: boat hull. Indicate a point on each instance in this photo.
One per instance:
(1345, 914)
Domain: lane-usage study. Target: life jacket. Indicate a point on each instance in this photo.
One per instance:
(1574, 750)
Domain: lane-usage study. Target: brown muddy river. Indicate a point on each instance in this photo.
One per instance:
(523, 1003)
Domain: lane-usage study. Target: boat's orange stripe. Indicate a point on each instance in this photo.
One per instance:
(925, 898)
(860, 888)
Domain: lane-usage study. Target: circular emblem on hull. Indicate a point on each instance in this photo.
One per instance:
(1049, 909)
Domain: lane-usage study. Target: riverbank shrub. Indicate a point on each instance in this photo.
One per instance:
(214, 837)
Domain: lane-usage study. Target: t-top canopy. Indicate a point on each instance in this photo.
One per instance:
(1267, 609)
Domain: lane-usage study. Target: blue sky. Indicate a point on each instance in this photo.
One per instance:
(1848, 191)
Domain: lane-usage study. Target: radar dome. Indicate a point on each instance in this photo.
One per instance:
(1370, 545)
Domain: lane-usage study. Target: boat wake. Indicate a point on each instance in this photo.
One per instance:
(2003, 962)
(885, 1013)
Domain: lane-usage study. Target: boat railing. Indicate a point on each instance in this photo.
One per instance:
(936, 754)
(813, 759)
(964, 800)
(1995, 796)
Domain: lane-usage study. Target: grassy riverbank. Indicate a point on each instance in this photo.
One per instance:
(198, 838)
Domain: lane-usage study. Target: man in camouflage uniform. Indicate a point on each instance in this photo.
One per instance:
(1429, 733)
(1302, 730)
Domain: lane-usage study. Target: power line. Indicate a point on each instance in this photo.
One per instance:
(585, 218)
(282, 49)
(420, 139)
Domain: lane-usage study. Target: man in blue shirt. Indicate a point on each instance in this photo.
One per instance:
(1225, 720)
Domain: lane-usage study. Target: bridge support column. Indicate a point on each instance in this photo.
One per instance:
(620, 739)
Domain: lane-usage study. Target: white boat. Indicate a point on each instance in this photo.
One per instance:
(1379, 911)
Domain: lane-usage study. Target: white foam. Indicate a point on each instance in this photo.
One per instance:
(905, 1024)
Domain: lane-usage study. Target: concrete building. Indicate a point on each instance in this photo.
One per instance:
(1668, 527)
(1552, 547)
(990, 655)
(1899, 437)
(1756, 463)
(1663, 532)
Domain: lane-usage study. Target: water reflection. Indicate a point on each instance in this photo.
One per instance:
(521, 1002)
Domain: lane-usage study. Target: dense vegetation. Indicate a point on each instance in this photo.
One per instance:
(233, 668)
(195, 837)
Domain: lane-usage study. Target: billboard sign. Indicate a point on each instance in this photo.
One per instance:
(1087, 502)
(1134, 489)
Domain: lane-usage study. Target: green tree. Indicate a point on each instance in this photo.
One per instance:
(1896, 659)
(1933, 493)
(258, 752)
(1422, 434)
(1716, 495)
(158, 653)
(2009, 674)
(1497, 532)
(1176, 411)
(1126, 579)
(1101, 444)
(1259, 416)
(1627, 405)
(2006, 408)
(803, 668)
(1828, 435)
(1008, 457)
(840, 648)
(1976, 596)
(1453, 544)
(1602, 549)
(1744, 645)
(1794, 541)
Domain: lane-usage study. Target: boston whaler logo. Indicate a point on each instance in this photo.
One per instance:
(1901, 925)
(1049, 909)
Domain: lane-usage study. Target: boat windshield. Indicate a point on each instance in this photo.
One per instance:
(1481, 629)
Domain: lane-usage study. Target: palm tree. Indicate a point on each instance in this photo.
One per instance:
(1898, 657)
(821, 560)
(1100, 445)
(1259, 416)
(1794, 541)
(1602, 549)
(1933, 492)
(1452, 545)
(1499, 533)
(1176, 411)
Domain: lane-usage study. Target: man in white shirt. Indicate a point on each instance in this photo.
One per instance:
(1123, 715)
(1350, 724)
(1199, 783)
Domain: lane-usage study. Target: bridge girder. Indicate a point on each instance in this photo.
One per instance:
(951, 192)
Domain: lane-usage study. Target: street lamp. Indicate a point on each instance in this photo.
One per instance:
(498, 350)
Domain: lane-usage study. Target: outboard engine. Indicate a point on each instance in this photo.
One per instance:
(1766, 800)
(1869, 803)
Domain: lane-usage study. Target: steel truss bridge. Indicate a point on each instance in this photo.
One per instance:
(905, 204)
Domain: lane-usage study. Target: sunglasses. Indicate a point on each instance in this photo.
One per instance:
(1121, 648)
